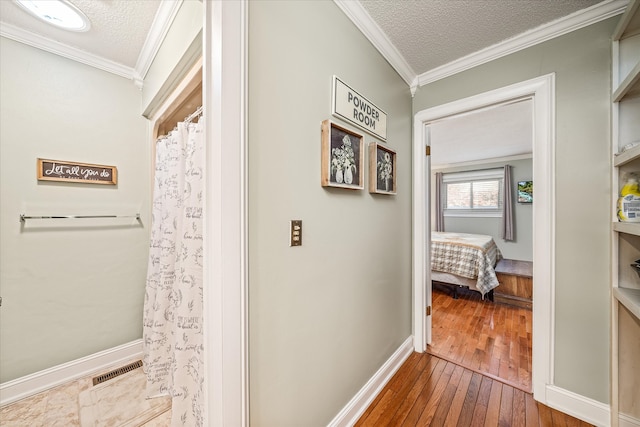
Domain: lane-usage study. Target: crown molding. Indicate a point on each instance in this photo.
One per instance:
(559, 27)
(356, 13)
(18, 34)
(165, 15)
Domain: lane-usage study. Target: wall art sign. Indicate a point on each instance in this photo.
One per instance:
(59, 170)
(349, 105)
(342, 157)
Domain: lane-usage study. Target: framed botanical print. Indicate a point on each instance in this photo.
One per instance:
(382, 169)
(342, 157)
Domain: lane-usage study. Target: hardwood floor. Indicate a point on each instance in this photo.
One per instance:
(430, 391)
(490, 338)
(477, 372)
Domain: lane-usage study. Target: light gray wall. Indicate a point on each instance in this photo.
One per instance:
(69, 288)
(325, 316)
(522, 247)
(581, 61)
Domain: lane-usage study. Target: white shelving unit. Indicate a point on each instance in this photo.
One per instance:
(625, 334)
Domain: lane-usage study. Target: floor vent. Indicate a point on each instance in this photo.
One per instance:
(116, 372)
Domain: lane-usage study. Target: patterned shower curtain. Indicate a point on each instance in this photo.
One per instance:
(172, 328)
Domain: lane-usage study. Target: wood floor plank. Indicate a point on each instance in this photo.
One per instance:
(480, 411)
(506, 407)
(409, 402)
(519, 408)
(436, 398)
(456, 404)
(493, 407)
(532, 415)
(425, 394)
(470, 401)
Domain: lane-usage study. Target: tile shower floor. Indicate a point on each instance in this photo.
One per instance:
(80, 403)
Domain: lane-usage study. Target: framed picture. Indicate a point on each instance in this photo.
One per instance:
(382, 169)
(525, 191)
(342, 157)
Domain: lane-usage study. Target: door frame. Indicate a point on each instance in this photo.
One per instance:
(542, 91)
(224, 87)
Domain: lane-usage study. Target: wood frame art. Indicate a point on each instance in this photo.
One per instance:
(342, 157)
(382, 169)
(85, 173)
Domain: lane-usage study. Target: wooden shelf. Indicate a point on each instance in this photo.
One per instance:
(627, 227)
(628, 156)
(630, 86)
(630, 298)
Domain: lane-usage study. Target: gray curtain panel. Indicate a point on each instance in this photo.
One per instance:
(439, 203)
(507, 208)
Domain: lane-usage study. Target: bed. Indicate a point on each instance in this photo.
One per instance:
(462, 259)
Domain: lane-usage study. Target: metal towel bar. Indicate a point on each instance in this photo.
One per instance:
(24, 217)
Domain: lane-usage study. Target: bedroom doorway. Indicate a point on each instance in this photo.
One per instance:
(541, 91)
(490, 335)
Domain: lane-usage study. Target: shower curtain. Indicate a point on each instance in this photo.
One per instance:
(172, 324)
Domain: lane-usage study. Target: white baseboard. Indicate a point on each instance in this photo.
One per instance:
(628, 421)
(26, 386)
(361, 401)
(583, 408)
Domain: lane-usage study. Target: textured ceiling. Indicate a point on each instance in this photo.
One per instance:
(431, 33)
(118, 27)
(501, 131)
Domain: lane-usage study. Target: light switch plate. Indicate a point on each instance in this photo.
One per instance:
(295, 232)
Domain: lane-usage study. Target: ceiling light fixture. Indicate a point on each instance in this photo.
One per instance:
(60, 13)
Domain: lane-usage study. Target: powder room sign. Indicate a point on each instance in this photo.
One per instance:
(58, 170)
(355, 108)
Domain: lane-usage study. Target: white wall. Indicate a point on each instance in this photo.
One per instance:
(581, 61)
(325, 316)
(69, 288)
(522, 247)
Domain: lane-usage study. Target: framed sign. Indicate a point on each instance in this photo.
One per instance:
(349, 105)
(342, 157)
(87, 173)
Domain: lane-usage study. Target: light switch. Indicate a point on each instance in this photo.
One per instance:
(295, 233)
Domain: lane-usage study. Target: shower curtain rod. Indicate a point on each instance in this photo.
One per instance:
(194, 114)
(24, 217)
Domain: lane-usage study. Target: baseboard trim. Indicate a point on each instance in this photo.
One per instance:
(361, 401)
(581, 407)
(29, 385)
(628, 421)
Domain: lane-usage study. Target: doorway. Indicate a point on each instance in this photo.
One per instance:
(542, 91)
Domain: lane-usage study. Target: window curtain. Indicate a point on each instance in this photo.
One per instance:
(173, 346)
(507, 206)
(439, 203)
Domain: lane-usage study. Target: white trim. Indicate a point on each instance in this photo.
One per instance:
(542, 89)
(165, 15)
(580, 19)
(363, 398)
(506, 159)
(37, 41)
(581, 407)
(359, 16)
(29, 385)
(225, 224)
(543, 33)
(628, 421)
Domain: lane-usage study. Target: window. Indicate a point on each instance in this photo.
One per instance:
(473, 193)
